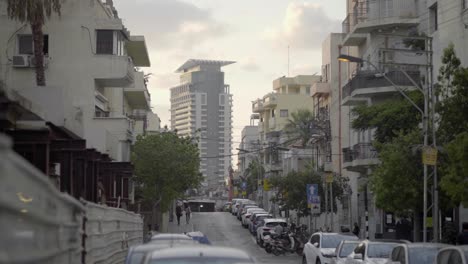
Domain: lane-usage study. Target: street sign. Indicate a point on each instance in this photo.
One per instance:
(266, 185)
(244, 185)
(313, 198)
(244, 193)
(429, 156)
(329, 178)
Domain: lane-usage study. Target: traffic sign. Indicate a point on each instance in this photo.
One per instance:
(329, 178)
(266, 185)
(429, 156)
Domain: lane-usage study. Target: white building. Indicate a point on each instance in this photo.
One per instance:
(93, 89)
(201, 106)
(154, 123)
(248, 148)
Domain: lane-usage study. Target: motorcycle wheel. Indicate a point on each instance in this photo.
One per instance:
(260, 243)
(300, 251)
(268, 249)
(276, 252)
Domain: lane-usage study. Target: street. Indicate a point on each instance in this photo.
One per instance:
(223, 229)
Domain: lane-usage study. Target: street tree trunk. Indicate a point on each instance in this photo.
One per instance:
(38, 44)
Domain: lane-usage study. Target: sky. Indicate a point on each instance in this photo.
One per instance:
(254, 33)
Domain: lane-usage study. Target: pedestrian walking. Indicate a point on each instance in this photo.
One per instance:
(178, 213)
(356, 229)
(188, 213)
(462, 238)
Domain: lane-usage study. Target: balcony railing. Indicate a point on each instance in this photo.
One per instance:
(353, 19)
(359, 151)
(364, 80)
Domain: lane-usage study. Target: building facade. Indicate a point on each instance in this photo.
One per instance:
(93, 94)
(201, 106)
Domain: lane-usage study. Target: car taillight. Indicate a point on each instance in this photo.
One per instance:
(266, 229)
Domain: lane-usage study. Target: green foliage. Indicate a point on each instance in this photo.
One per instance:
(254, 172)
(292, 194)
(452, 90)
(455, 180)
(390, 117)
(165, 167)
(302, 126)
(397, 181)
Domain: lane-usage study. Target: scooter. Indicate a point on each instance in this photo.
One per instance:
(284, 244)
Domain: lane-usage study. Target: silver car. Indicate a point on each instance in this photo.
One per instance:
(415, 253)
(342, 251)
(452, 255)
(169, 237)
(198, 255)
(136, 254)
(371, 252)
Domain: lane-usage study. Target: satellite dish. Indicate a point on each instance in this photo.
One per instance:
(465, 18)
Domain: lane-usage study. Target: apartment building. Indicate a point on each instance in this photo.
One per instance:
(94, 95)
(289, 95)
(376, 31)
(201, 106)
(248, 148)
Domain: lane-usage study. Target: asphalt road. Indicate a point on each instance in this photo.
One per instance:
(223, 229)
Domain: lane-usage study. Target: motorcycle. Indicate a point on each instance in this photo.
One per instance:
(284, 243)
(268, 242)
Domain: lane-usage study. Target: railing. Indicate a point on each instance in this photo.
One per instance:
(353, 19)
(347, 155)
(364, 80)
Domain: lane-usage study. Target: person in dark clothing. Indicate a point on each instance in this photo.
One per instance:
(356, 230)
(462, 238)
(178, 213)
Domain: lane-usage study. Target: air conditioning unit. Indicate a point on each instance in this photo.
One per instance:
(32, 61)
(21, 61)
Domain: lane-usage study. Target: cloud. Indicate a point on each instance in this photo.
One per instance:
(250, 65)
(169, 24)
(305, 26)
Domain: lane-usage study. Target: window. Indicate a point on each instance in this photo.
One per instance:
(315, 239)
(433, 18)
(26, 46)
(221, 99)
(203, 99)
(284, 113)
(308, 90)
(104, 41)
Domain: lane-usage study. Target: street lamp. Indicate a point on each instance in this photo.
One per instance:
(424, 112)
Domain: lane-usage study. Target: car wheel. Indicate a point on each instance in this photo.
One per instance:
(304, 260)
(318, 261)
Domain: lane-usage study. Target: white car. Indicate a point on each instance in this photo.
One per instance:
(371, 252)
(320, 249)
(267, 227)
(248, 213)
(205, 255)
(342, 251)
(452, 255)
(415, 253)
(244, 208)
(235, 205)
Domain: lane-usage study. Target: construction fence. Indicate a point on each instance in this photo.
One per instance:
(39, 224)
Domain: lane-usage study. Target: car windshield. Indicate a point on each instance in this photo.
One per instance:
(136, 257)
(380, 250)
(272, 224)
(347, 248)
(422, 255)
(261, 217)
(200, 261)
(332, 241)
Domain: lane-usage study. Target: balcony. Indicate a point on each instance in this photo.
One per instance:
(113, 71)
(360, 157)
(120, 127)
(136, 48)
(319, 89)
(369, 16)
(367, 85)
(269, 100)
(138, 96)
(257, 106)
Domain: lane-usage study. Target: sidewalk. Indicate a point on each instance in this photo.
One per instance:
(184, 227)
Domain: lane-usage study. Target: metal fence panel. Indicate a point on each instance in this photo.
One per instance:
(38, 223)
(110, 232)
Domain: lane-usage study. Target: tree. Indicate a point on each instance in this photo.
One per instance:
(303, 126)
(397, 180)
(254, 172)
(35, 13)
(390, 117)
(291, 189)
(166, 165)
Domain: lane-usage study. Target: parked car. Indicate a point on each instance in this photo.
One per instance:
(136, 254)
(205, 255)
(245, 219)
(243, 209)
(235, 205)
(169, 237)
(415, 253)
(266, 228)
(255, 220)
(320, 248)
(343, 249)
(372, 252)
(452, 255)
(242, 205)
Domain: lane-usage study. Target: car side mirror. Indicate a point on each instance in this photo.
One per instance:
(358, 256)
(316, 244)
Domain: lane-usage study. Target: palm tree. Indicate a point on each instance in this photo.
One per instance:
(303, 126)
(35, 12)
